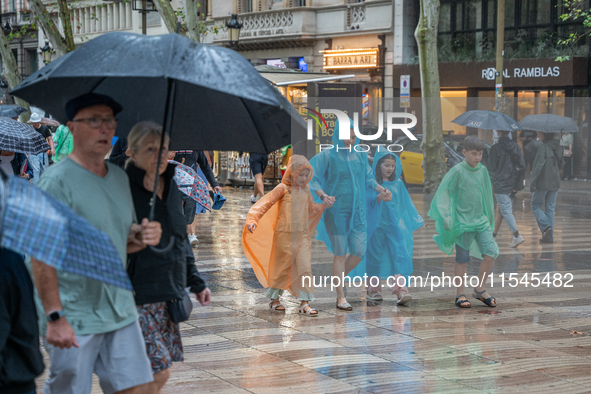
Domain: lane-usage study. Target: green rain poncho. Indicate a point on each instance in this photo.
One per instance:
(462, 207)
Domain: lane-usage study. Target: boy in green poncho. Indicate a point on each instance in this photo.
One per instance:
(463, 211)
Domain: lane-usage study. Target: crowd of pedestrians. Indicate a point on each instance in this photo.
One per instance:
(362, 213)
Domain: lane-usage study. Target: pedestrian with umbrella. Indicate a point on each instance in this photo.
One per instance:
(40, 161)
(11, 111)
(16, 141)
(88, 325)
(545, 173)
(159, 278)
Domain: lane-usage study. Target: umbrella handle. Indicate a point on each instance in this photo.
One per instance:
(165, 250)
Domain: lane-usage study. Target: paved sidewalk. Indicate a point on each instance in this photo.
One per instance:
(537, 340)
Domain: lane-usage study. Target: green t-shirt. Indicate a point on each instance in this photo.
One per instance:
(91, 306)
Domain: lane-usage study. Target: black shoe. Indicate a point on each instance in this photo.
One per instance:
(547, 236)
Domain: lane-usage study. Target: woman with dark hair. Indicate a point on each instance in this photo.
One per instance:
(160, 279)
(545, 182)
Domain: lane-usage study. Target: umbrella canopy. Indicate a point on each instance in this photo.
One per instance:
(11, 110)
(191, 184)
(34, 223)
(205, 96)
(549, 123)
(20, 137)
(50, 122)
(487, 120)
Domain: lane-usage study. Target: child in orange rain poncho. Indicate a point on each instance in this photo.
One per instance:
(277, 237)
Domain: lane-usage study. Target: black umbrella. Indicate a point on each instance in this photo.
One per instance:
(487, 120)
(549, 123)
(11, 110)
(205, 96)
(214, 97)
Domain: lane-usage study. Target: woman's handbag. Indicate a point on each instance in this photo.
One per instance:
(180, 309)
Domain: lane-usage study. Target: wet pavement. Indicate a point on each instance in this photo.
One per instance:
(537, 339)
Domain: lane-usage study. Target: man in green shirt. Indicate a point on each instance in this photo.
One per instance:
(89, 326)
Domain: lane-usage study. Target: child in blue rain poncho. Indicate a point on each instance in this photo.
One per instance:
(341, 175)
(389, 230)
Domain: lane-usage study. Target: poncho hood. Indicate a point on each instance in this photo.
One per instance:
(296, 164)
(340, 143)
(382, 152)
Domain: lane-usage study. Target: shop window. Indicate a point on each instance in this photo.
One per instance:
(33, 60)
(473, 12)
(445, 18)
(491, 22)
(509, 14)
(453, 104)
(535, 12)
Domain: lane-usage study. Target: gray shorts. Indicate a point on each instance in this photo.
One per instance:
(118, 358)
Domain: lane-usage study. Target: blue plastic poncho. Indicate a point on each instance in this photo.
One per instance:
(390, 227)
(345, 175)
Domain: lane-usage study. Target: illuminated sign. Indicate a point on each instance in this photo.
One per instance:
(350, 58)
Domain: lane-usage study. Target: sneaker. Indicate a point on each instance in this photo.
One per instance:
(193, 239)
(253, 199)
(403, 295)
(517, 241)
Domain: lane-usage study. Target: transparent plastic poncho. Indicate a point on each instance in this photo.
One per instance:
(462, 207)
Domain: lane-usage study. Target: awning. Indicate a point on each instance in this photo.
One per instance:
(284, 76)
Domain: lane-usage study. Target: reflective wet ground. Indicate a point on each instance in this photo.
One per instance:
(537, 340)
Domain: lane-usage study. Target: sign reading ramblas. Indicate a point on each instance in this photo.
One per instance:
(345, 123)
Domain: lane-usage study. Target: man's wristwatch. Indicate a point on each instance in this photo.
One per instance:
(322, 197)
(54, 316)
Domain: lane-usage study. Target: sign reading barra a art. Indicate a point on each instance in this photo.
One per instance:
(350, 58)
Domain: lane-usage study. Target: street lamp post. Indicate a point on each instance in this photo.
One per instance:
(46, 51)
(234, 31)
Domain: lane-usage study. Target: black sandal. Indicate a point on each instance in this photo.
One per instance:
(487, 301)
(460, 302)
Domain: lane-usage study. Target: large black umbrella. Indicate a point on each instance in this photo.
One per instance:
(549, 123)
(11, 110)
(487, 120)
(206, 97)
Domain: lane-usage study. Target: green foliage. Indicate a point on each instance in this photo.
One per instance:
(575, 11)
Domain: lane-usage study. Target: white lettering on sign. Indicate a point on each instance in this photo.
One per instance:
(531, 72)
(536, 72)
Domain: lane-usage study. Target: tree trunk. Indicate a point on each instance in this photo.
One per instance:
(168, 16)
(433, 152)
(66, 19)
(50, 29)
(10, 72)
(192, 18)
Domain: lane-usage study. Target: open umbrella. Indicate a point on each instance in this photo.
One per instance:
(20, 137)
(487, 120)
(50, 122)
(191, 184)
(549, 123)
(11, 110)
(205, 96)
(34, 223)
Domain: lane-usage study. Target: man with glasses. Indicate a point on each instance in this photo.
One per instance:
(87, 325)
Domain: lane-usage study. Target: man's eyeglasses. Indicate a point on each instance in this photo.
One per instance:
(96, 123)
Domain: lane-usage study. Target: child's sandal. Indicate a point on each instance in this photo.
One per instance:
(276, 307)
(461, 303)
(308, 312)
(490, 301)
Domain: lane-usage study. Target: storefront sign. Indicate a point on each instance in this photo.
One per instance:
(525, 72)
(517, 73)
(276, 63)
(404, 91)
(302, 65)
(350, 58)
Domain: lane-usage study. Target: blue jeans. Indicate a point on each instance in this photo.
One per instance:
(546, 198)
(38, 162)
(506, 208)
